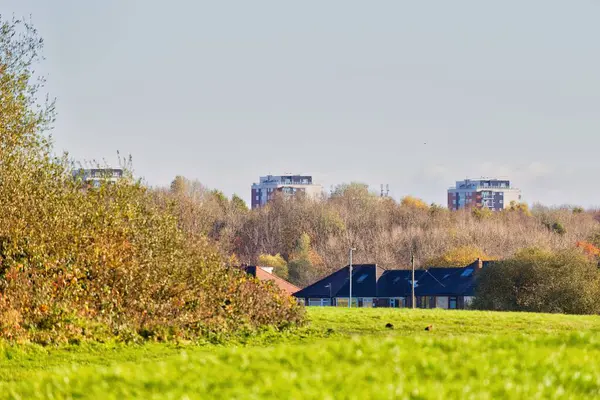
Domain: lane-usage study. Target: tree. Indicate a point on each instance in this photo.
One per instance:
(112, 258)
(303, 262)
(279, 265)
(482, 213)
(238, 203)
(179, 185)
(538, 280)
(588, 248)
(523, 208)
(413, 202)
(555, 227)
(458, 257)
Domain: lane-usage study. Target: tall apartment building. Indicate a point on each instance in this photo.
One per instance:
(95, 176)
(495, 194)
(289, 185)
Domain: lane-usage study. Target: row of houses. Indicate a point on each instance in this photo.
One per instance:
(373, 286)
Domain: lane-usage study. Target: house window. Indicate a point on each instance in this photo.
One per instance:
(468, 300)
(315, 302)
(319, 302)
(343, 302)
(453, 303)
(426, 301)
(431, 301)
(398, 302)
(441, 302)
(367, 302)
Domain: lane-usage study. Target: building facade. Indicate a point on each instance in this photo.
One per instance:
(372, 286)
(494, 194)
(95, 176)
(288, 185)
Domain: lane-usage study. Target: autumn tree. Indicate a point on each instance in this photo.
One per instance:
(458, 257)
(538, 280)
(413, 202)
(303, 262)
(113, 261)
(279, 265)
(519, 207)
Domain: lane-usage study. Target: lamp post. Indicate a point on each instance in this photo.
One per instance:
(412, 264)
(330, 299)
(350, 298)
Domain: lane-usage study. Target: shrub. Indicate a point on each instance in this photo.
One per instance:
(76, 263)
(541, 281)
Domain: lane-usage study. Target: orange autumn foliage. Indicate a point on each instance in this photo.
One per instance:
(588, 248)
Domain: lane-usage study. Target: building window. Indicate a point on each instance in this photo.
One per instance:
(367, 302)
(453, 303)
(314, 302)
(441, 302)
(468, 300)
(426, 302)
(319, 302)
(398, 302)
(343, 302)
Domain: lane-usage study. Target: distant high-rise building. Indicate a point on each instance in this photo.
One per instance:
(95, 176)
(289, 185)
(494, 194)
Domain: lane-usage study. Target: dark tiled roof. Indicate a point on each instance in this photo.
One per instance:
(395, 283)
(339, 283)
(372, 281)
(446, 281)
(364, 281)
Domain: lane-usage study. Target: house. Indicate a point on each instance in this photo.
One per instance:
(373, 286)
(266, 274)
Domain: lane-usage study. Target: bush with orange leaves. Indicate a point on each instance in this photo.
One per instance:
(588, 248)
(79, 264)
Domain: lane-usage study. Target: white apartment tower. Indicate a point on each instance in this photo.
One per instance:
(494, 194)
(289, 185)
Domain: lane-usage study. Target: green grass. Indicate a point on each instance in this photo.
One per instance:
(341, 354)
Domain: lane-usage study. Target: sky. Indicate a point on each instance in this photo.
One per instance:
(414, 94)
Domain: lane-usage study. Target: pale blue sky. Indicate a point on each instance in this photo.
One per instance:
(226, 91)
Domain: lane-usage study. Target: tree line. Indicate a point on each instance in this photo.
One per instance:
(305, 239)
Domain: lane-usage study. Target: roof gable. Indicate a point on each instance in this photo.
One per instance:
(263, 275)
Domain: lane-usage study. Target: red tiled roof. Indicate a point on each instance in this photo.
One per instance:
(284, 285)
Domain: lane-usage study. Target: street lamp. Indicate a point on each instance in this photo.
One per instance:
(330, 299)
(412, 264)
(350, 299)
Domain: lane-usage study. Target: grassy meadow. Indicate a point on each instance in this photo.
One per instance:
(340, 354)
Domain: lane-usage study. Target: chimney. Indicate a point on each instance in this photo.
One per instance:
(479, 263)
(268, 270)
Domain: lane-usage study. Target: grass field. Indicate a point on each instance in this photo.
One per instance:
(341, 354)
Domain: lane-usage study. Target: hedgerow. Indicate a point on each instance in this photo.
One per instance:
(80, 263)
